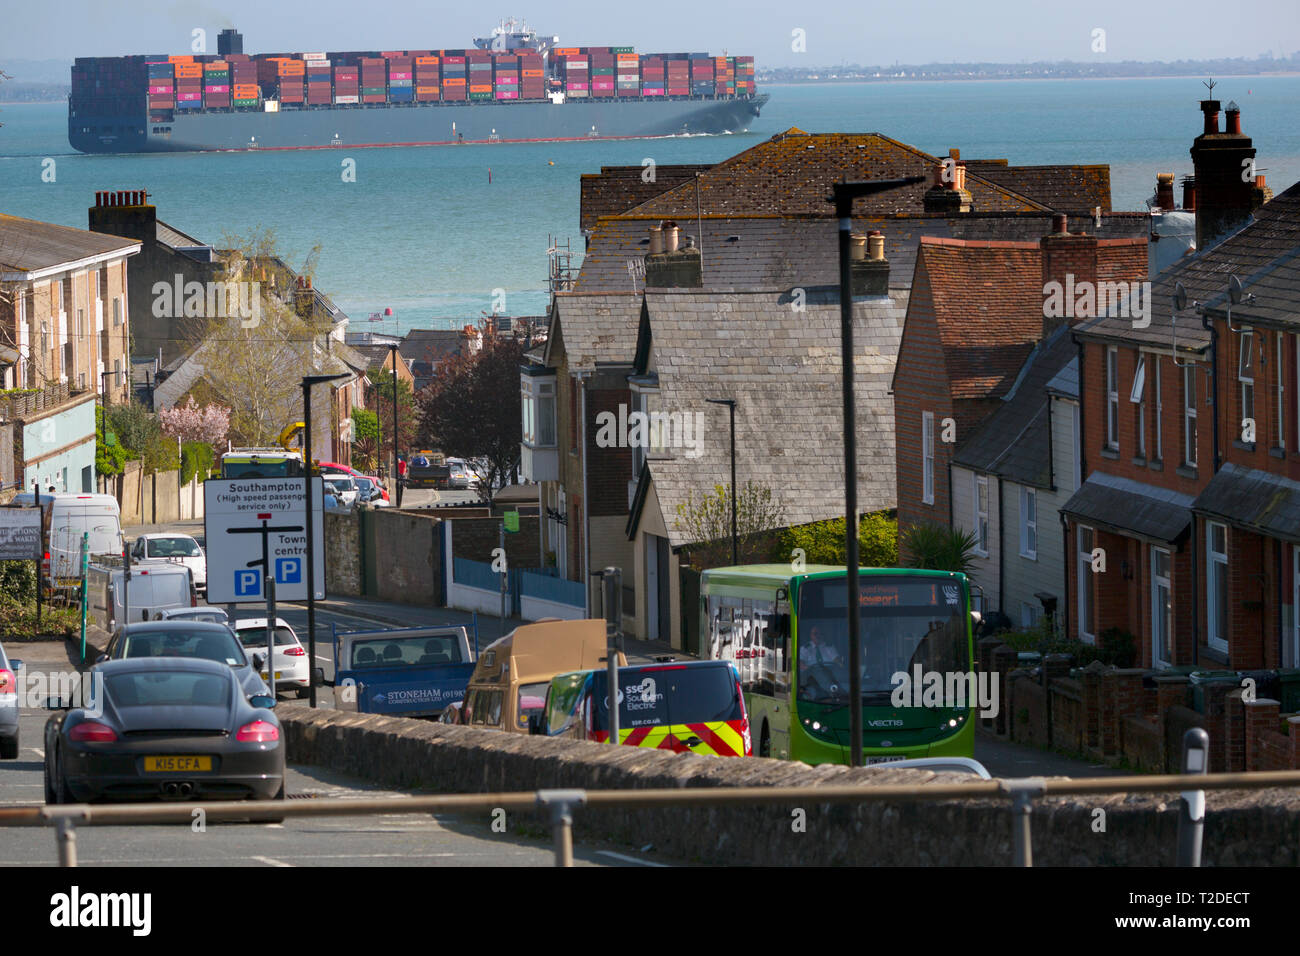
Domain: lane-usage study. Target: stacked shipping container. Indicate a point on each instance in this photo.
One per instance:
(216, 85)
(401, 78)
(455, 78)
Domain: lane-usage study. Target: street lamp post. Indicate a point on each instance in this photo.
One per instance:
(397, 483)
(307, 382)
(842, 196)
(731, 405)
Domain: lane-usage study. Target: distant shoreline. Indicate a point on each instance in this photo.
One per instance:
(955, 78)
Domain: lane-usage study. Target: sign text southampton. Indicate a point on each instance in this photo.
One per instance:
(253, 525)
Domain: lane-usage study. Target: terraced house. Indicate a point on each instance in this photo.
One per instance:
(1185, 531)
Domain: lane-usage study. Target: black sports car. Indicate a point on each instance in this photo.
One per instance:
(175, 728)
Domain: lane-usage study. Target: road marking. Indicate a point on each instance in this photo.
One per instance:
(38, 751)
(628, 859)
(271, 862)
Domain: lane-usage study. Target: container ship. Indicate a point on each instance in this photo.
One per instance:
(513, 86)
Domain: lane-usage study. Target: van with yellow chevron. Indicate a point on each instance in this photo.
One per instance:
(687, 707)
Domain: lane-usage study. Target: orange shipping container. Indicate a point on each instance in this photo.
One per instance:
(189, 71)
(453, 81)
(426, 61)
(426, 89)
(480, 88)
(293, 68)
(566, 51)
(532, 72)
(180, 59)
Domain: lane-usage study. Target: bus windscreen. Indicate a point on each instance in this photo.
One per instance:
(903, 622)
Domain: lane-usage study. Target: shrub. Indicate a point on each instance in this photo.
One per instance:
(938, 547)
(823, 541)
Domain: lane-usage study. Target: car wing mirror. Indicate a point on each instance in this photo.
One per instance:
(262, 700)
(15, 664)
(259, 661)
(101, 658)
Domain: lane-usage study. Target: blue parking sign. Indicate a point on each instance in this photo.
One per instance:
(247, 583)
(288, 570)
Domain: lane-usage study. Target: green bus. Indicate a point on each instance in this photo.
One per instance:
(787, 633)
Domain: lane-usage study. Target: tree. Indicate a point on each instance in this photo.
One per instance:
(109, 459)
(706, 522)
(471, 410)
(365, 438)
(140, 433)
(190, 423)
(822, 542)
(938, 547)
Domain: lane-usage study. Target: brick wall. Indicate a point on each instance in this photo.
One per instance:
(921, 385)
(476, 538)
(608, 469)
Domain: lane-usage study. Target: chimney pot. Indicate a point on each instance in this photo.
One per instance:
(1234, 119)
(876, 245)
(1060, 224)
(1211, 110)
(656, 240)
(671, 236)
(857, 247)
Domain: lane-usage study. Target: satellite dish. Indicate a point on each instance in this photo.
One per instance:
(1180, 297)
(1234, 290)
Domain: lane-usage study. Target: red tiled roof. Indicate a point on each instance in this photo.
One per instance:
(792, 173)
(988, 309)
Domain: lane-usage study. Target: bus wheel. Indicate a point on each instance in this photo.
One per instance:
(765, 742)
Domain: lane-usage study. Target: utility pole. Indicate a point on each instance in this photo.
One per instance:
(842, 196)
(307, 382)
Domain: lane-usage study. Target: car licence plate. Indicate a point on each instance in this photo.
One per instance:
(884, 759)
(278, 676)
(174, 764)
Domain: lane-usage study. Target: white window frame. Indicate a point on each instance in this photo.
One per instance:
(981, 517)
(1246, 378)
(1279, 430)
(1138, 396)
(1160, 409)
(1083, 582)
(1030, 614)
(1214, 560)
(1028, 523)
(1112, 398)
(117, 311)
(1189, 415)
(1161, 612)
(927, 458)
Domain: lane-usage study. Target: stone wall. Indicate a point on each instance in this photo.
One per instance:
(1141, 829)
(408, 560)
(342, 556)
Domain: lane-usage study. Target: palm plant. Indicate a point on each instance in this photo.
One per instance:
(938, 547)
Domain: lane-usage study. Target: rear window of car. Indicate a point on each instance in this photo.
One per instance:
(167, 688)
(395, 652)
(669, 694)
(171, 548)
(256, 636)
(182, 642)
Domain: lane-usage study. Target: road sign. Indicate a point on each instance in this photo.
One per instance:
(512, 521)
(20, 534)
(253, 526)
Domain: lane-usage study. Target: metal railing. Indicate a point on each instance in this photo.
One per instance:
(561, 804)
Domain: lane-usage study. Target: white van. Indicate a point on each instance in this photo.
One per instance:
(66, 517)
(155, 585)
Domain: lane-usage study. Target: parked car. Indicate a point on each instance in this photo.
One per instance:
(65, 518)
(207, 613)
(460, 474)
(334, 467)
(291, 665)
(381, 484)
(178, 728)
(343, 487)
(202, 640)
(369, 492)
(405, 672)
(180, 548)
(9, 668)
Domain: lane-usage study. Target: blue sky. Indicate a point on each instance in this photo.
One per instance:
(863, 31)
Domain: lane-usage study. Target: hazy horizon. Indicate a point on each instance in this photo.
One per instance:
(834, 33)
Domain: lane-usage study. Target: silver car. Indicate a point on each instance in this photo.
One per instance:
(9, 706)
(213, 615)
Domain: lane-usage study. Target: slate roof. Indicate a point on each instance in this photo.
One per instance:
(616, 189)
(1065, 383)
(1076, 190)
(1013, 441)
(1264, 255)
(771, 253)
(171, 236)
(29, 245)
(594, 329)
(374, 355)
(792, 173)
(1130, 507)
(1252, 499)
(783, 370)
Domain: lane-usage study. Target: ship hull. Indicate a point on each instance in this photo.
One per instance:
(417, 124)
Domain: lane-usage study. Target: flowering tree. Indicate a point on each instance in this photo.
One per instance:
(189, 422)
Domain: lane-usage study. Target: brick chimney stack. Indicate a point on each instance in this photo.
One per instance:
(1225, 181)
(948, 194)
(126, 213)
(1069, 261)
